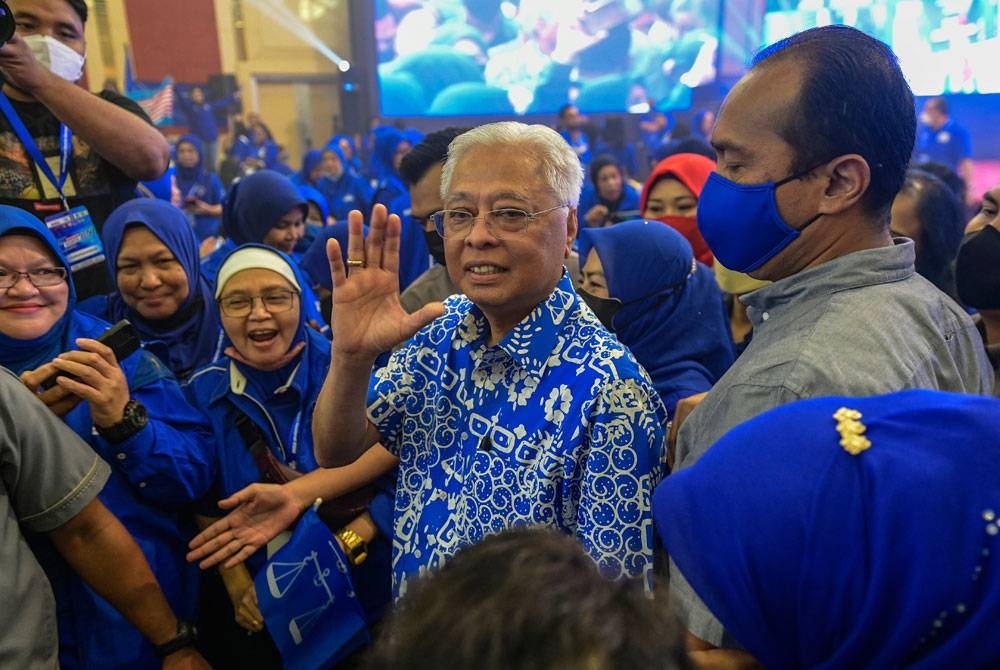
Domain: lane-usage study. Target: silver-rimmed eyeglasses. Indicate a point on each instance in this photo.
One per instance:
(39, 277)
(458, 222)
(275, 302)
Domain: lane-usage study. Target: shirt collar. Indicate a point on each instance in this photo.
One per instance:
(238, 381)
(861, 268)
(529, 343)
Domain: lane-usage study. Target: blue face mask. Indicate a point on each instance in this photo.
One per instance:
(741, 222)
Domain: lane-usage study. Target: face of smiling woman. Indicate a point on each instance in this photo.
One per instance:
(28, 311)
(262, 337)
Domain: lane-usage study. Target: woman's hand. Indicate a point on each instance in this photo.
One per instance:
(95, 377)
(597, 216)
(242, 593)
(369, 318)
(260, 512)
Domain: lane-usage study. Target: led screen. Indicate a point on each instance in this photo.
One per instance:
(475, 57)
(944, 46)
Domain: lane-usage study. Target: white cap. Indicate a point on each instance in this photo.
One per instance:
(254, 258)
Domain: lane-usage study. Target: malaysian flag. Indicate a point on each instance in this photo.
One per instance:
(157, 100)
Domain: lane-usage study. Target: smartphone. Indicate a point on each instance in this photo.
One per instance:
(121, 338)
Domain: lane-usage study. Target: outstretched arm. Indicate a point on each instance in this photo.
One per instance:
(261, 511)
(369, 320)
(94, 539)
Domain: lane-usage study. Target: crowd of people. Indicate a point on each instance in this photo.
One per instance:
(479, 397)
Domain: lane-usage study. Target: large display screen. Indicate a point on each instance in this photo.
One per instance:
(477, 57)
(944, 46)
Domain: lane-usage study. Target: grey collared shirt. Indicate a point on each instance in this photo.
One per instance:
(863, 324)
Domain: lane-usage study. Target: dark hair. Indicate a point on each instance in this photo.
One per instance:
(565, 108)
(939, 103)
(951, 178)
(601, 162)
(853, 99)
(613, 132)
(691, 145)
(426, 153)
(942, 225)
(527, 598)
(80, 7)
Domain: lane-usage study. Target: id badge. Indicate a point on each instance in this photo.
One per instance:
(76, 232)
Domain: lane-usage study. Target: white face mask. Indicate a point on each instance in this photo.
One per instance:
(56, 56)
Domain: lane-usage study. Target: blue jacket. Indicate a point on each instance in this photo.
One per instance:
(223, 390)
(155, 473)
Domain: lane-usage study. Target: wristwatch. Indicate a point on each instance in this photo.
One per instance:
(186, 636)
(134, 419)
(357, 549)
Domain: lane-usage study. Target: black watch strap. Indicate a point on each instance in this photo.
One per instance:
(186, 636)
(134, 419)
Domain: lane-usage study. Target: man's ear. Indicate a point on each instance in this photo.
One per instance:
(572, 226)
(849, 178)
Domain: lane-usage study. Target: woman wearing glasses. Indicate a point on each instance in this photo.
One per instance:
(259, 398)
(152, 253)
(131, 412)
(264, 208)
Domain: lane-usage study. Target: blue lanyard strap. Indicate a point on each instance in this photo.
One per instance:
(65, 146)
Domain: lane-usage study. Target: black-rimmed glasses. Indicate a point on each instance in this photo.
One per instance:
(39, 277)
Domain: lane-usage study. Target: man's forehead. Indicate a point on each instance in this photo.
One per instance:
(760, 102)
(59, 9)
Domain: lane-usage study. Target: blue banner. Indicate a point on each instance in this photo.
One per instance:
(308, 601)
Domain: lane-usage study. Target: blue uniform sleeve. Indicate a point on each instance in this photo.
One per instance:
(168, 461)
(617, 475)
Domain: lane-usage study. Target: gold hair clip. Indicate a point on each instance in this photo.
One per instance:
(851, 431)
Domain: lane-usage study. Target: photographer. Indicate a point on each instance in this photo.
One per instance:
(68, 148)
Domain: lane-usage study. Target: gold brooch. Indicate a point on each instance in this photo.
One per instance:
(851, 431)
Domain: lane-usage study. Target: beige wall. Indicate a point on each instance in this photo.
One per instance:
(287, 81)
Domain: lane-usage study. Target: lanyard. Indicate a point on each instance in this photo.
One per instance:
(65, 147)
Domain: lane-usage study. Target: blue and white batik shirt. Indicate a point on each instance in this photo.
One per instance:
(556, 425)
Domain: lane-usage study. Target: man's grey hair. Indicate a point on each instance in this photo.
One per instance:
(558, 164)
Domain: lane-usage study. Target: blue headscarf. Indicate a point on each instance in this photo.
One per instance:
(314, 196)
(312, 158)
(813, 557)
(189, 177)
(387, 140)
(314, 261)
(355, 162)
(189, 338)
(20, 355)
(256, 203)
(673, 316)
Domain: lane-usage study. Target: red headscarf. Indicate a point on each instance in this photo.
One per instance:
(692, 170)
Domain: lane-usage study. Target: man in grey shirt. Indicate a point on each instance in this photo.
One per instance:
(421, 170)
(49, 481)
(813, 144)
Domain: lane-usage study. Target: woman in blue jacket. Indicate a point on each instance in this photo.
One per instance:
(262, 392)
(200, 189)
(131, 412)
(153, 257)
(342, 189)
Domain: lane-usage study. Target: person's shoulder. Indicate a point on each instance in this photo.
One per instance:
(204, 381)
(598, 350)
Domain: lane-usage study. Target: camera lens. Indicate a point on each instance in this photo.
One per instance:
(7, 23)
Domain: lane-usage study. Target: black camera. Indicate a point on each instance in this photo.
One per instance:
(7, 23)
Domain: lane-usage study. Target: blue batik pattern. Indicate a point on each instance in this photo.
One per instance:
(556, 425)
